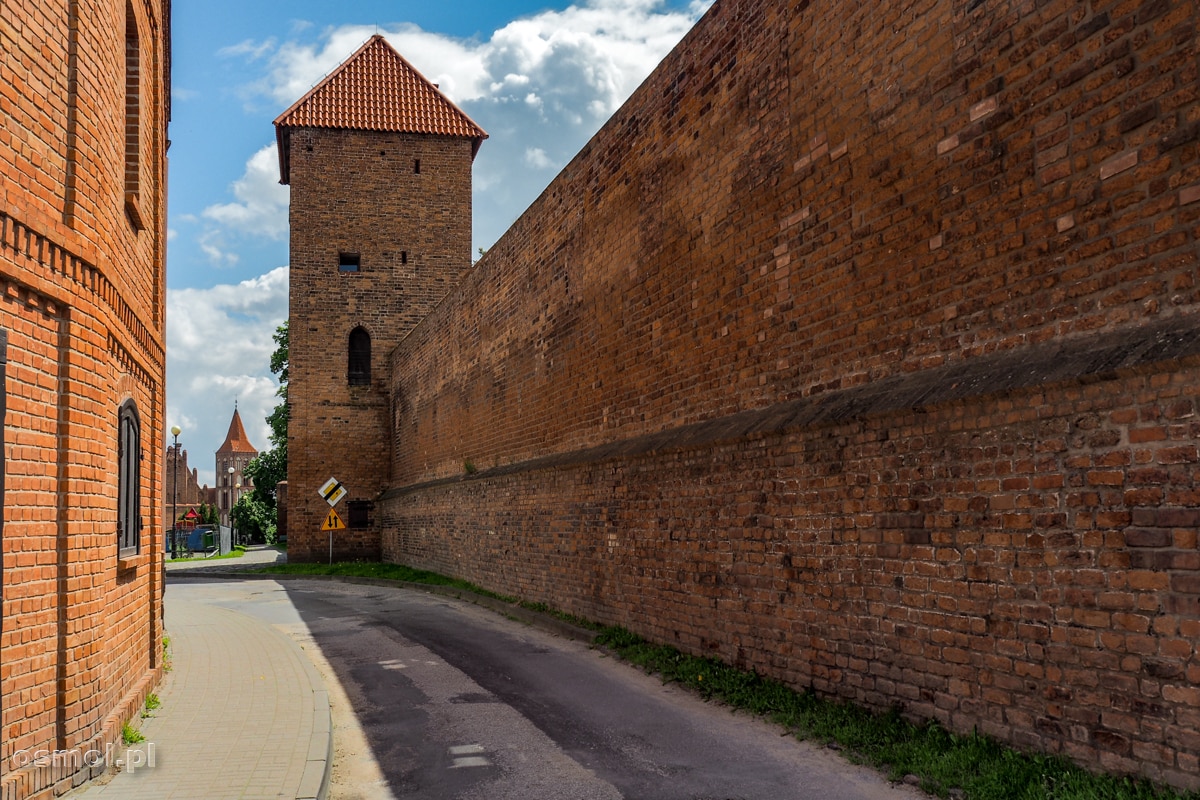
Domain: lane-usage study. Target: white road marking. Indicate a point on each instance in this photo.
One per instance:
(395, 663)
(466, 756)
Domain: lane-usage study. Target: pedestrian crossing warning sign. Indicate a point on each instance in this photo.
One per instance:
(333, 522)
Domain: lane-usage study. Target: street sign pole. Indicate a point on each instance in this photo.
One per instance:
(332, 491)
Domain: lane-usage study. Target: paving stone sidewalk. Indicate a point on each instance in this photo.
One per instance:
(244, 716)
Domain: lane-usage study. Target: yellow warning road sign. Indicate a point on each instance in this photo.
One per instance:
(333, 522)
(333, 491)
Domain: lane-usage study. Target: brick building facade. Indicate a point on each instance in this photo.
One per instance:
(859, 348)
(82, 233)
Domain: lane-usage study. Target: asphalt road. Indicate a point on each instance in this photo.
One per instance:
(442, 699)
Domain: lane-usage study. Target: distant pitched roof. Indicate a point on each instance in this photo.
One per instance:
(375, 89)
(236, 440)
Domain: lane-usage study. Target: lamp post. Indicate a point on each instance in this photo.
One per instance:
(238, 495)
(229, 500)
(175, 431)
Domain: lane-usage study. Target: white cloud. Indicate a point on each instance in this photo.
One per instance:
(262, 204)
(212, 245)
(585, 58)
(536, 157)
(248, 48)
(551, 81)
(541, 85)
(601, 49)
(219, 349)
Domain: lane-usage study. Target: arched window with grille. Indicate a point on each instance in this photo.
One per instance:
(129, 456)
(358, 371)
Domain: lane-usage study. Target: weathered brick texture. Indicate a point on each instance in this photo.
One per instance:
(81, 297)
(858, 348)
(361, 193)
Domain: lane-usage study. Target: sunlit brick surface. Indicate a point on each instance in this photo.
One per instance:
(82, 282)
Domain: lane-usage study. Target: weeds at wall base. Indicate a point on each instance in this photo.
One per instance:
(971, 767)
(131, 735)
(152, 705)
(944, 764)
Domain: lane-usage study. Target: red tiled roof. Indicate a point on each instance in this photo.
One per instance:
(236, 440)
(375, 89)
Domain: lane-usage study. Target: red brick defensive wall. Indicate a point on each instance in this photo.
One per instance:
(861, 349)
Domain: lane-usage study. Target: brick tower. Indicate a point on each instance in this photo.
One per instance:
(379, 164)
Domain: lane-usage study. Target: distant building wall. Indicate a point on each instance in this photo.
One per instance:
(859, 348)
(182, 489)
(82, 290)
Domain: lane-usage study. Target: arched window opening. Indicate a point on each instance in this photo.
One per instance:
(129, 456)
(359, 362)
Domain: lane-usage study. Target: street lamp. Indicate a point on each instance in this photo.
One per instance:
(229, 501)
(234, 533)
(175, 431)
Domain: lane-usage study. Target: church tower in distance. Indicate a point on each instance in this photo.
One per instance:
(379, 164)
(232, 457)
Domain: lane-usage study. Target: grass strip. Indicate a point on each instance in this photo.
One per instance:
(972, 766)
(237, 552)
(371, 569)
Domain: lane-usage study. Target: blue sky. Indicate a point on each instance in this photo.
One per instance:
(540, 77)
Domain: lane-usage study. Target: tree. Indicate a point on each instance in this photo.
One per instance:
(266, 470)
(208, 514)
(278, 418)
(254, 519)
(269, 467)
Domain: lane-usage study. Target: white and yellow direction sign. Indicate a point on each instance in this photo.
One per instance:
(333, 522)
(333, 491)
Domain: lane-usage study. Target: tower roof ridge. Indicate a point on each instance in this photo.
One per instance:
(375, 89)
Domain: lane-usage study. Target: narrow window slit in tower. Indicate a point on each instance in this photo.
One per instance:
(358, 368)
(417, 166)
(403, 256)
